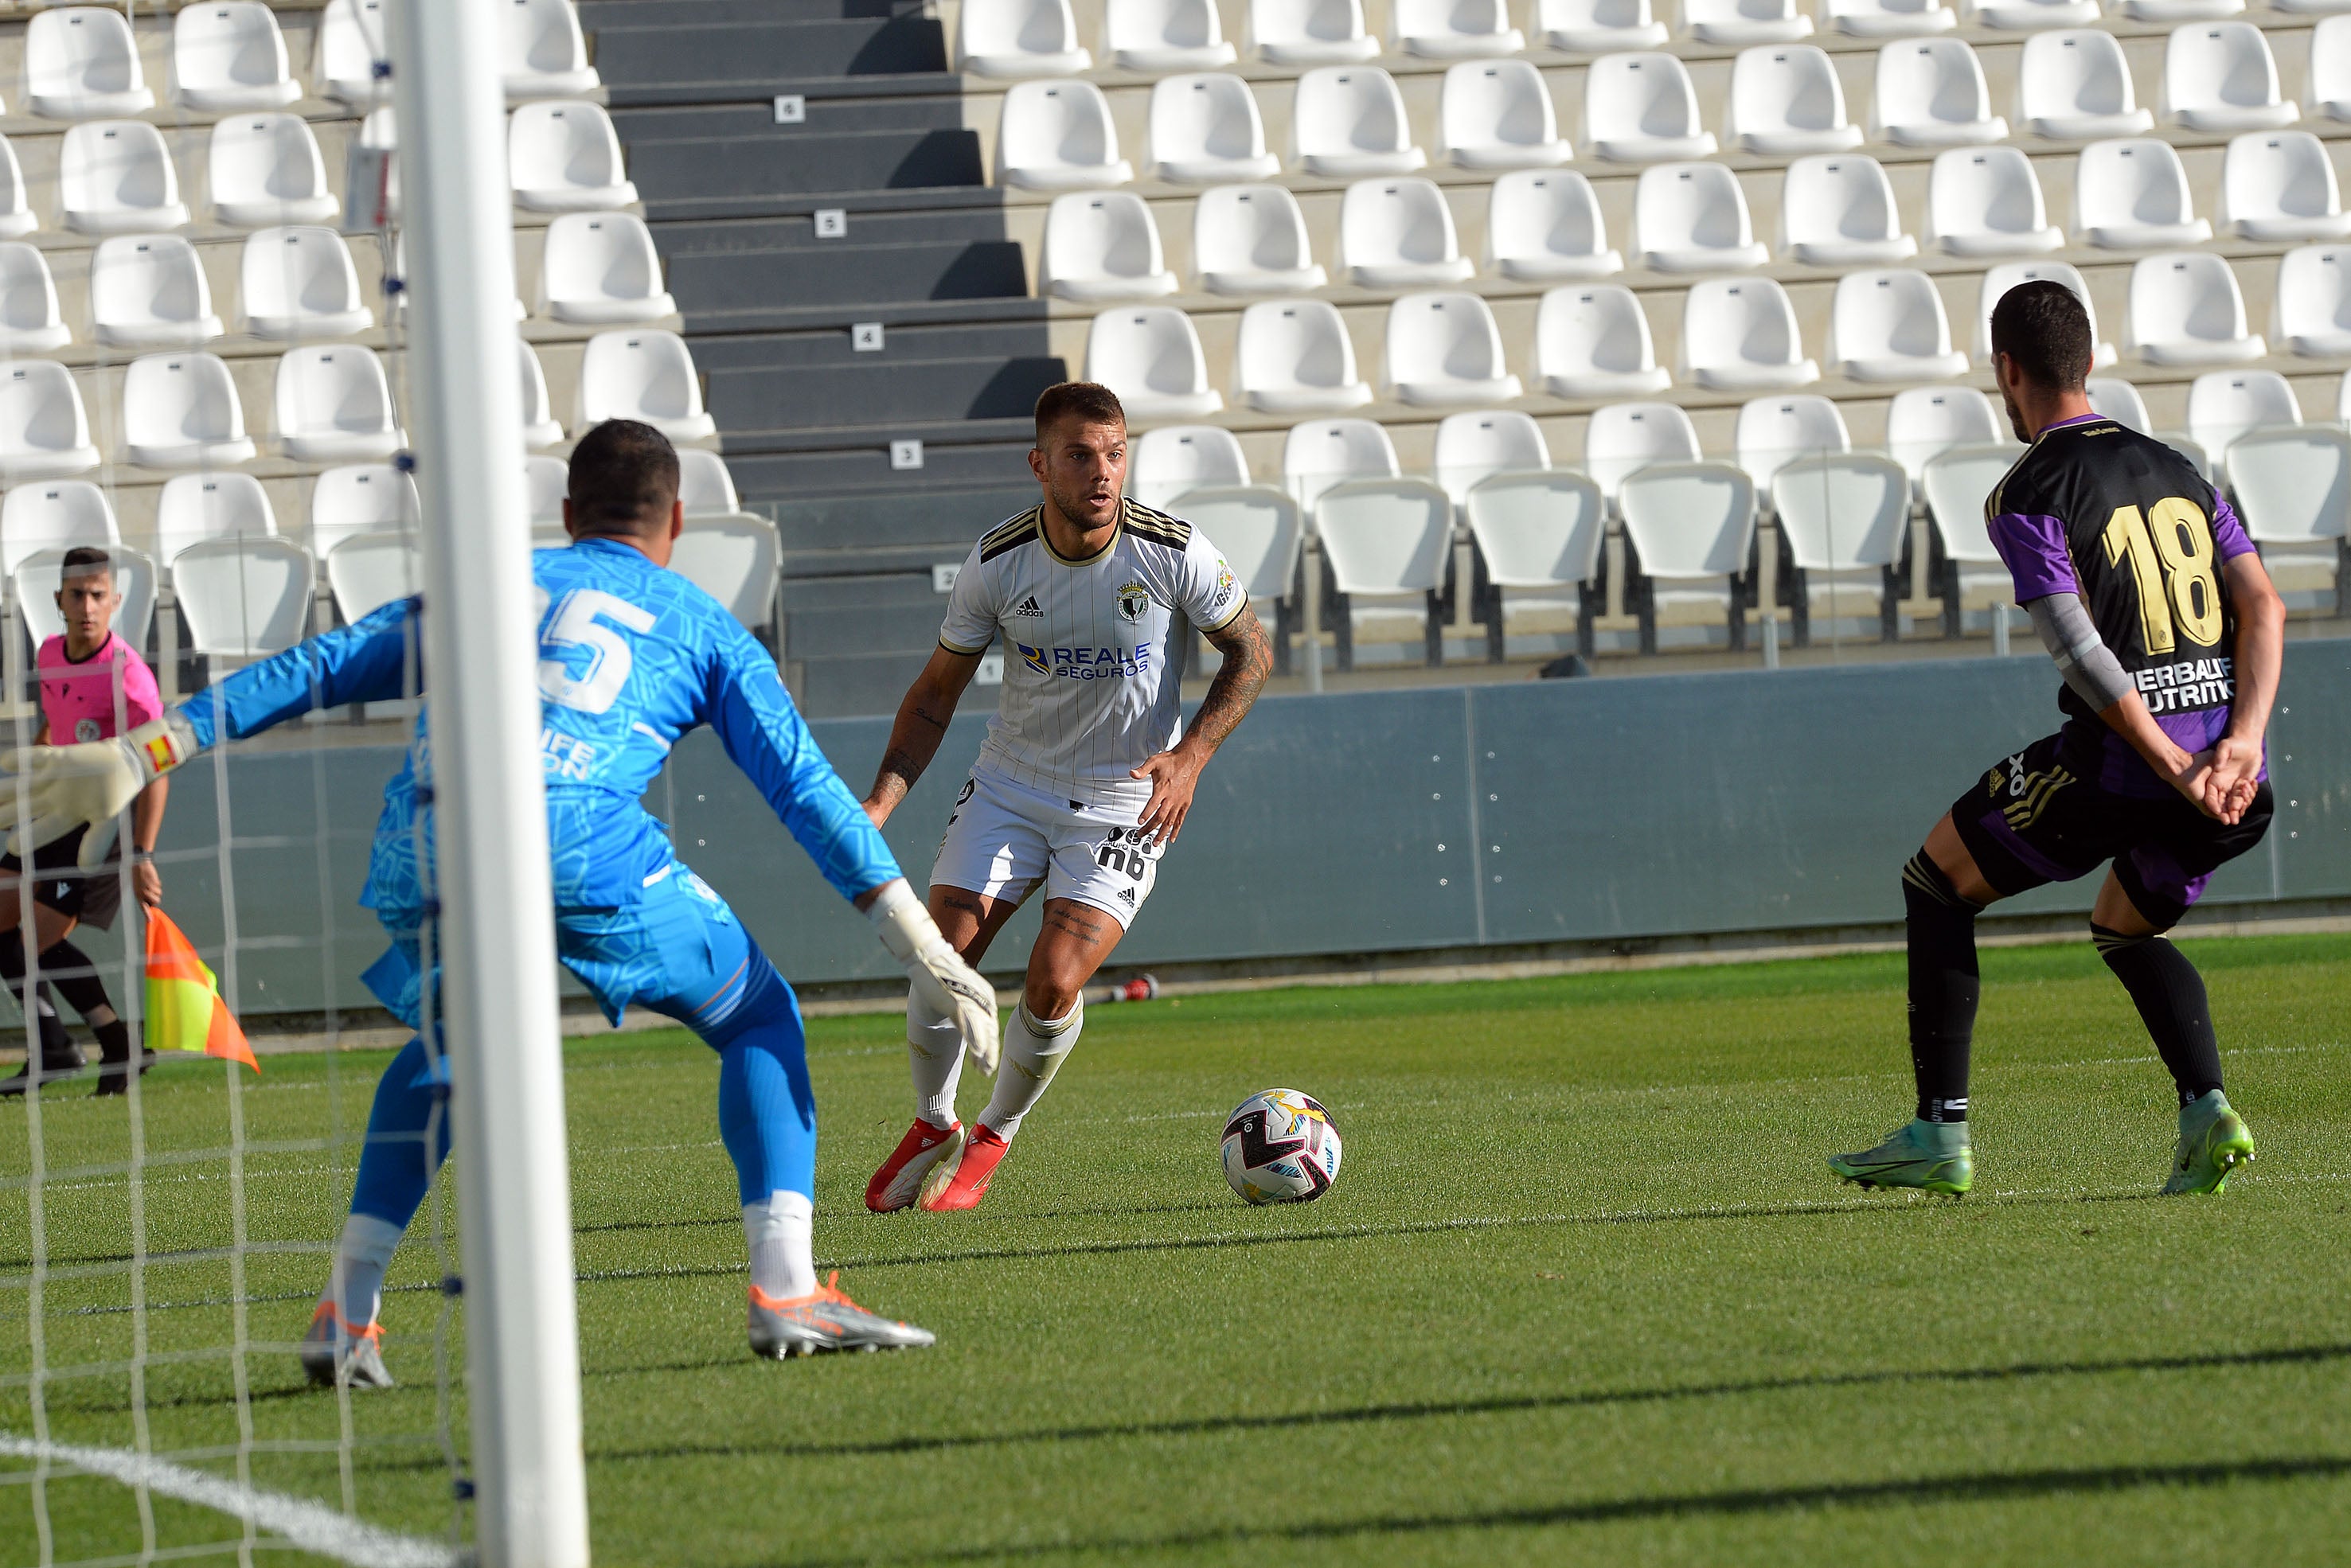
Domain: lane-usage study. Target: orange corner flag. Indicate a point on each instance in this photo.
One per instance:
(184, 1010)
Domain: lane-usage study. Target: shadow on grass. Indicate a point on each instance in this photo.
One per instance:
(1206, 1425)
(1996, 1486)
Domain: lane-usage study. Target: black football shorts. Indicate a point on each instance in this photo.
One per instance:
(92, 897)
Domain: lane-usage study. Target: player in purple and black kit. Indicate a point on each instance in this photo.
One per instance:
(2141, 583)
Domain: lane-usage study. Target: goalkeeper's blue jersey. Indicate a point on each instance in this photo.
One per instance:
(631, 657)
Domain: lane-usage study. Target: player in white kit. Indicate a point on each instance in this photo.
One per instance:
(1087, 772)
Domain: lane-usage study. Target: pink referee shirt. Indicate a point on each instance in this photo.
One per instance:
(78, 699)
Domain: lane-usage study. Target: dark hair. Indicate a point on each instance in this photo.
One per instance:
(90, 559)
(2043, 327)
(624, 479)
(1087, 401)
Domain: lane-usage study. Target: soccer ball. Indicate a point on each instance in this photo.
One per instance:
(1280, 1147)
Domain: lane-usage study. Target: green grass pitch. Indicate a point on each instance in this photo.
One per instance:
(1583, 1292)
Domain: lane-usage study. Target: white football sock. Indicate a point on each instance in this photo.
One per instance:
(935, 1051)
(779, 1232)
(1033, 1049)
(356, 1283)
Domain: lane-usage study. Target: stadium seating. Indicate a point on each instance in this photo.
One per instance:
(543, 53)
(547, 484)
(1349, 121)
(2075, 86)
(1165, 36)
(196, 507)
(365, 497)
(300, 282)
(564, 157)
(229, 56)
(2024, 14)
(44, 428)
(1973, 575)
(2280, 185)
(1784, 99)
(1593, 340)
(1889, 326)
(2007, 274)
(1471, 448)
(266, 169)
(1020, 39)
(645, 375)
(1057, 136)
(332, 405)
(1626, 438)
(1261, 533)
(1924, 422)
(1744, 21)
(148, 291)
(2326, 87)
(1598, 27)
(54, 516)
(1642, 108)
(30, 319)
(705, 487)
(2223, 78)
(2224, 404)
(2132, 194)
(540, 425)
(115, 176)
(1842, 518)
(2119, 401)
(1741, 335)
(1151, 357)
(1985, 201)
(1692, 218)
(1774, 430)
(1099, 246)
(1886, 18)
(243, 597)
(1398, 234)
(181, 411)
(366, 572)
(2293, 488)
(1537, 538)
(1691, 526)
(735, 560)
(1166, 463)
(1386, 541)
(601, 269)
(1293, 356)
(2185, 309)
(353, 61)
(1930, 92)
(2310, 315)
(1497, 114)
(1321, 452)
(18, 218)
(1838, 210)
(1543, 226)
(1309, 32)
(1444, 349)
(1205, 131)
(1453, 29)
(82, 63)
(1252, 239)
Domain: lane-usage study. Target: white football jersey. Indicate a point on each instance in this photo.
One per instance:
(1089, 692)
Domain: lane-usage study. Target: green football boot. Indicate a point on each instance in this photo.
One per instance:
(2213, 1141)
(1930, 1155)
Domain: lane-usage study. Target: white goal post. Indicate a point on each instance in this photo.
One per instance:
(497, 934)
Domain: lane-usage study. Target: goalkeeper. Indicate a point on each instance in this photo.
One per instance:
(632, 656)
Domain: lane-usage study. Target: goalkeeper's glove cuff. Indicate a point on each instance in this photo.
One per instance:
(904, 926)
(164, 743)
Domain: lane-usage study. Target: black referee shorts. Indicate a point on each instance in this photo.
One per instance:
(92, 897)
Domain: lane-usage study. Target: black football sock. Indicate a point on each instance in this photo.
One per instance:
(2170, 995)
(1944, 988)
(55, 1044)
(69, 970)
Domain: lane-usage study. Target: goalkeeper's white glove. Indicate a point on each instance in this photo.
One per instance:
(90, 784)
(944, 982)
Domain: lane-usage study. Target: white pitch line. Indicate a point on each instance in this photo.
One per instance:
(311, 1526)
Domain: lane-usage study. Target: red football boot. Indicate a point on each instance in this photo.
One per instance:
(961, 1183)
(896, 1185)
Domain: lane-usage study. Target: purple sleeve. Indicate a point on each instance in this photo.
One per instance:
(2035, 549)
(2228, 530)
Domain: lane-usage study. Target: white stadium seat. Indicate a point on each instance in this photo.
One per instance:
(1785, 99)
(1385, 539)
(1924, 422)
(1842, 518)
(1998, 280)
(1165, 464)
(44, 428)
(1165, 36)
(1626, 438)
(2280, 185)
(1260, 531)
(115, 176)
(2220, 76)
(2224, 404)
(736, 560)
(2024, 14)
(1986, 201)
(266, 169)
(148, 291)
(1251, 239)
(1955, 486)
(1057, 136)
(1773, 430)
(1837, 209)
(244, 598)
(1592, 341)
(2185, 309)
(1349, 121)
(30, 319)
(1398, 234)
(354, 39)
(1444, 349)
(1325, 452)
(2119, 401)
(1151, 357)
(1542, 225)
(599, 268)
(1537, 533)
(1102, 245)
(1598, 27)
(2291, 488)
(181, 411)
(564, 156)
(1453, 29)
(646, 375)
(1309, 32)
(195, 509)
(1293, 356)
(362, 497)
(1887, 18)
(1020, 39)
(55, 516)
(2169, 11)
(1471, 448)
(1205, 130)
(367, 571)
(1497, 114)
(543, 52)
(1889, 326)
(1641, 107)
(2327, 87)
(229, 56)
(1741, 335)
(547, 482)
(300, 283)
(1931, 92)
(1744, 21)
(540, 425)
(2074, 86)
(704, 487)
(2133, 195)
(332, 405)
(1692, 218)
(2312, 312)
(1692, 525)
(81, 63)
(18, 218)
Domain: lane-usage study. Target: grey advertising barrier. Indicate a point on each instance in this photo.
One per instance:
(1380, 822)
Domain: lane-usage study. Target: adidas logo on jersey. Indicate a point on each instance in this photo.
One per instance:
(1028, 606)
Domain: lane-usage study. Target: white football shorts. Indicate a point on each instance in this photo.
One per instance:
(1004, 839)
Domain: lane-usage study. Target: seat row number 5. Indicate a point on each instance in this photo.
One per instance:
(579, 622)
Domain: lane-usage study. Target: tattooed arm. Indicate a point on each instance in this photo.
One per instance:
(921, 725)
(1175, 774)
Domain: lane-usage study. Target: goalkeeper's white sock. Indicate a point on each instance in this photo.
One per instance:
(356, 1285)
(935, 1051)
(1033, 1049)
(781, 1233)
